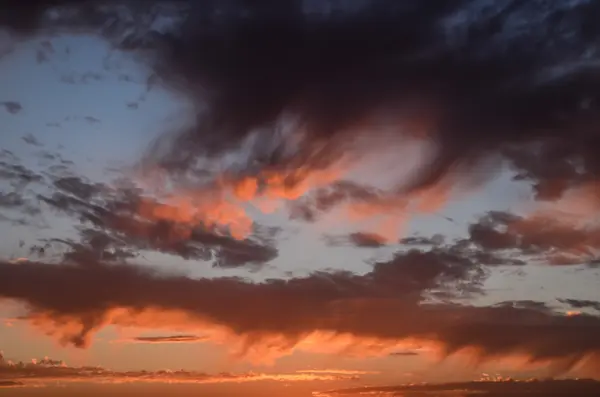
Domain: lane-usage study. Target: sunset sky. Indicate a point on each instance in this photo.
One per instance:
(309, 237)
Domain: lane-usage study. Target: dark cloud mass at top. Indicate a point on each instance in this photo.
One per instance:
(476, 75)
(479, 78)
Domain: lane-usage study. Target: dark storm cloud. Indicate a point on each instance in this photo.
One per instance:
(488, 83)
(512, 77)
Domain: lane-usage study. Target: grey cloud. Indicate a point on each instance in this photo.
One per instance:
(11, 106)
(516, 388)
(386, 303)
(582, 304)
(358, 239)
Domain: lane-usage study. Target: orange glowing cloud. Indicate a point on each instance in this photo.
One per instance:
(225, 203)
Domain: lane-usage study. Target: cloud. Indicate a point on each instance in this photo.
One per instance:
(358, 239)
(542, 238)
(41, 372)
(435, 240)
(336, 371)
(559, 388)
(422, 73)
(118, 220)
(31, 140)
(533, 305)
(168, 339)
(411, 59)
(407, 353)
(115, 223)
(10, 384)
(582, 304)
(91, 119)
(467, 88)
(376, 312)
(11, 106)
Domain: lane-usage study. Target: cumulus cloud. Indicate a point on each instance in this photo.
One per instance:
(41, 372)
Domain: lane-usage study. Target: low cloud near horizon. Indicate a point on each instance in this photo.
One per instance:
(50, 372)
(500, 388)
(383, 305)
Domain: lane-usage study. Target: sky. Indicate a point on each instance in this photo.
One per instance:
(220, 214)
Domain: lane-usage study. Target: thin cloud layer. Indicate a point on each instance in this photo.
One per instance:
(582, 304)
(529, 388)
(46, 371)
(168, 339)
(298, 123)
